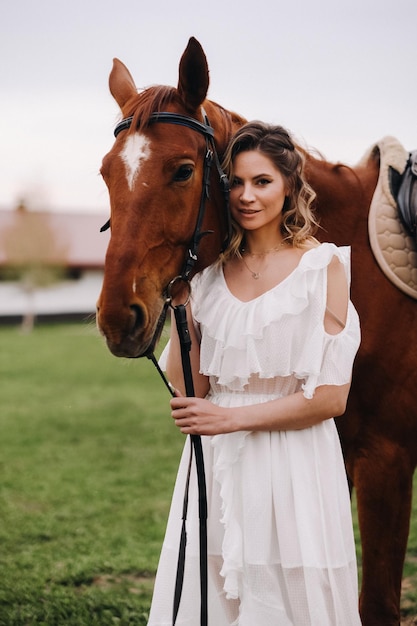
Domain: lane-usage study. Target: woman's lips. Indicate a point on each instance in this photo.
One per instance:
(248, 211)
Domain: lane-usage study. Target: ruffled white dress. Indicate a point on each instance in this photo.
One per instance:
(280, 541)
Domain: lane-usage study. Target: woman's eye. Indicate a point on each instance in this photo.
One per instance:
(263, 181)
(235, 182)
(183, 173)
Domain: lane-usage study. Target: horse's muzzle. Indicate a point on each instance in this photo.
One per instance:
(128, 335)
(128, 348)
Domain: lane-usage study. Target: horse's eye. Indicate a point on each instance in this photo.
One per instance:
(183, 173)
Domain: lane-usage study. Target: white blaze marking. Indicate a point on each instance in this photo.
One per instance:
(135, 151)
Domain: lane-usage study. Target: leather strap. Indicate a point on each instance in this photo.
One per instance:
(196, 446)
(169, 118)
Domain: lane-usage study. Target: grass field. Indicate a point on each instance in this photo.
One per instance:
(88, 457)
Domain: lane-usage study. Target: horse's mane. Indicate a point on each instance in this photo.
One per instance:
(148, 101)
(155, 98)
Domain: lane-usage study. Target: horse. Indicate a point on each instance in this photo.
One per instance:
(156, 180)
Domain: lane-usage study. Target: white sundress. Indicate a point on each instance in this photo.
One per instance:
(281, 550)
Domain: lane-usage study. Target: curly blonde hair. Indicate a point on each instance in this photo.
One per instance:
(298, 224)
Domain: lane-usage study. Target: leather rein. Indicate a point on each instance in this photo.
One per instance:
(185, 342)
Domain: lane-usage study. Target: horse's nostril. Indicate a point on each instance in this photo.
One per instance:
(137, 317)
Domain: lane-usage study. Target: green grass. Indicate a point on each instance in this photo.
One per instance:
(88, 457)
(87, 465)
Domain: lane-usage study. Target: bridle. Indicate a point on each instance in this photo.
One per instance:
(185, 343)
(211, 155)
(191, 258)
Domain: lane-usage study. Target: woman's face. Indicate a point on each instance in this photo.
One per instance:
(257, 192)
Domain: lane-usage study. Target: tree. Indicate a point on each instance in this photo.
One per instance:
(35, 255)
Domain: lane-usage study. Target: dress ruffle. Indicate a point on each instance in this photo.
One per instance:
(293, 310)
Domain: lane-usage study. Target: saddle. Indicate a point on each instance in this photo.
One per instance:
(392, 214)
(406, 194)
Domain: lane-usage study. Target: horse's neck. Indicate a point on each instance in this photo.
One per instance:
(344, 195)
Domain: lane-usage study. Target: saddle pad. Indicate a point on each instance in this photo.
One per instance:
(394, 249)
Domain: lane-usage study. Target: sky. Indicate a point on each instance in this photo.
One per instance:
(340, 75)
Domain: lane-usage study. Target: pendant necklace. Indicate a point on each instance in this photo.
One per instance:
(254, 275)
(257, 275)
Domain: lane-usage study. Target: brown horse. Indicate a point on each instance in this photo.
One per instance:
(154, 174)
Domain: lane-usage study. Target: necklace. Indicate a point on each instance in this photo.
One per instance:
(268, 250)
(254, 275)
(257, 275)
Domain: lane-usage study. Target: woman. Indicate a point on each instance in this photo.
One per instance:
(274, 337)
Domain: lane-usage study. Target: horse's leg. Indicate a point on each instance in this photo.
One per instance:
(383, 477)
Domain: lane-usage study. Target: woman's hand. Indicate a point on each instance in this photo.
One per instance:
(197, 416)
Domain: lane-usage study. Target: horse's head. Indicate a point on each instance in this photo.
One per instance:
(154, 174)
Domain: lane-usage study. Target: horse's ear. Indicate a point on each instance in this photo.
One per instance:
(193, 75)
(122, 86)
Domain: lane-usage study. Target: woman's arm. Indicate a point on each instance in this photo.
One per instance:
(197, 416)
(337, 298)
(174, 363)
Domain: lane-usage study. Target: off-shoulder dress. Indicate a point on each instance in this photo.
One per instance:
(280, 540)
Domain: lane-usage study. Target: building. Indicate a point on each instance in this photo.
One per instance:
(79, 247)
